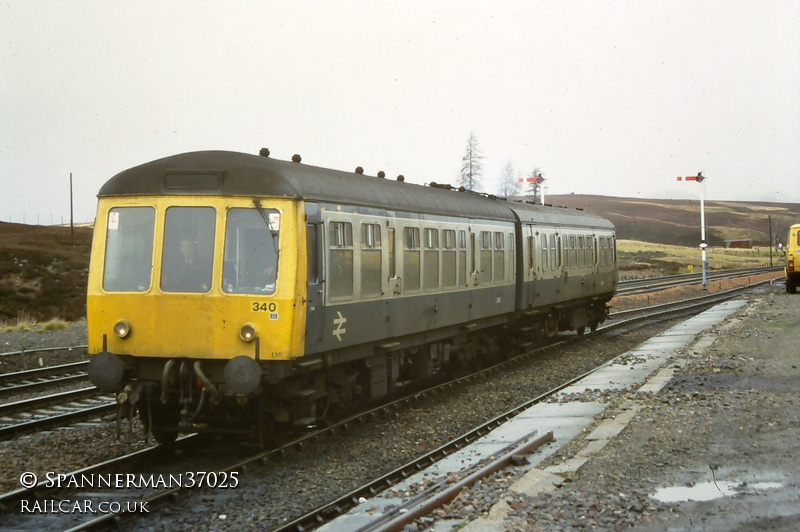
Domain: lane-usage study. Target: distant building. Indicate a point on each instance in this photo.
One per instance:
(743, 243)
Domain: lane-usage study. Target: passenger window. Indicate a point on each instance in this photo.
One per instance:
(431, 277)
(129, 249)
(555, 258)
(370, 260)
(486, 257)
(188, 252)
(581, 253)
(392, 263)
(462, 258)
(340, 265)
(411, 259)
(499, 258)
(448, 258)
(251, 251)
(544, 253)
(573, 254)
(531, 254)
(602, 250)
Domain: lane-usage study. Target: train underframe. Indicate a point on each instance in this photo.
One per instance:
(184, 395)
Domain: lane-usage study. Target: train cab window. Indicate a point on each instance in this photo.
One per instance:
(486, 257)
(251, 251)
(340, 263)
(462, 258)
(499, 257)
(555, 257)
(370, 260)
(544, 253)
(430, 278)
(411, 259)
(448, 258)
(188, 252)
(129, 249)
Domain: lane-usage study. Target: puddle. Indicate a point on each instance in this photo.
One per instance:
(708, 491)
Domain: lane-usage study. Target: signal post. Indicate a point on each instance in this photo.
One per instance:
(699, 178)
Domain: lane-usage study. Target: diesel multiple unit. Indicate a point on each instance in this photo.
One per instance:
(232, 291)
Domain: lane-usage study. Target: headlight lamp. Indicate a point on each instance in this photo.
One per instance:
(122, 328)
(247, 332)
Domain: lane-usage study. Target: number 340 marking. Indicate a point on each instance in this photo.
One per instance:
(264, 307)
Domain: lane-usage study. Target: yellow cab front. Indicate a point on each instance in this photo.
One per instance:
(201, 278)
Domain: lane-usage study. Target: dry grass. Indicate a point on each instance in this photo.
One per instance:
(26, 323)
(636, 255)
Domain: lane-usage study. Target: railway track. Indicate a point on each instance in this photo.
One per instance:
(168, 497)
(334, 508)
(39, 378)
(654, 284)
(330, 509)
(54, 410)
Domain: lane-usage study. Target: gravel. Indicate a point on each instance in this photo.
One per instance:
(33, 337)
(668, 442)
(278, 491)
(730, 415)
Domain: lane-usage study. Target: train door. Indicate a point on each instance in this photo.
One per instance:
(314, 301)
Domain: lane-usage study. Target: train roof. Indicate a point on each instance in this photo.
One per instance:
(239, 174)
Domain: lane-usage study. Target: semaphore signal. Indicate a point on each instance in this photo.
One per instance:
(699, 178)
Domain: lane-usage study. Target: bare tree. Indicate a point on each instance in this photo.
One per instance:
(471, 165)
(508, 182)
(535, 181)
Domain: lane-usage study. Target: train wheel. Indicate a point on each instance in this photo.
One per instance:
(791, 287)
(581, 331)
(593, 325)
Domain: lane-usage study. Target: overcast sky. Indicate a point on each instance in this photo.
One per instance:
(606, 97)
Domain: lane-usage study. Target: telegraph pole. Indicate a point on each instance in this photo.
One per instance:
(71, 219)
(770, 238)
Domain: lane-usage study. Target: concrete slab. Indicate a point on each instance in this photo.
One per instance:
(611, 427)
(536, 481)
(655, 384)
